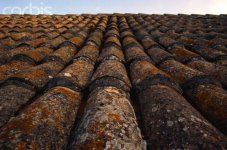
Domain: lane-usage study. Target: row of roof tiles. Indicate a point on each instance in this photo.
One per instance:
(78, 92)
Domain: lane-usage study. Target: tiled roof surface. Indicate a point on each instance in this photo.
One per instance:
(120, 81)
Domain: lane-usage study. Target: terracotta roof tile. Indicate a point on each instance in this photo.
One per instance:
(36, 55)
(77, 40)
(108, 109)
(6, 56)
(180, 72)
(183, 55)
(159, 55)
(220, 72)
(39, 75)
(135, 53)
(13, 96)
(209, 53)
(95, 38)
(111, 52)
(89, 51)
(57, 41)
(75, 76)
(112, 40)
(118, 81)
(211, 101)
(12, 68)
(8, 42)
(107, 70)
(38, 42)
(53, 34)
(63, 55)
(163, 110)
(48, 118)
(144, 74)
(147, 42)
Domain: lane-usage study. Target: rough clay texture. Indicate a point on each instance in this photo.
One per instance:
(109, 122)
(12, 97)
(112, 68)
(45, 124)
(212, 102)
(78, 73)
(167, 116)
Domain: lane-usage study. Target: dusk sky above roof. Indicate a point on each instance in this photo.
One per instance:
(111, 6)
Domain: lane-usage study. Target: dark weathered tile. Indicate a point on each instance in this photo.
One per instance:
(171, 122)
(45, 124)
(108, 122)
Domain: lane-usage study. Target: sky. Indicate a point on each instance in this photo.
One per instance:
(111, 6)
